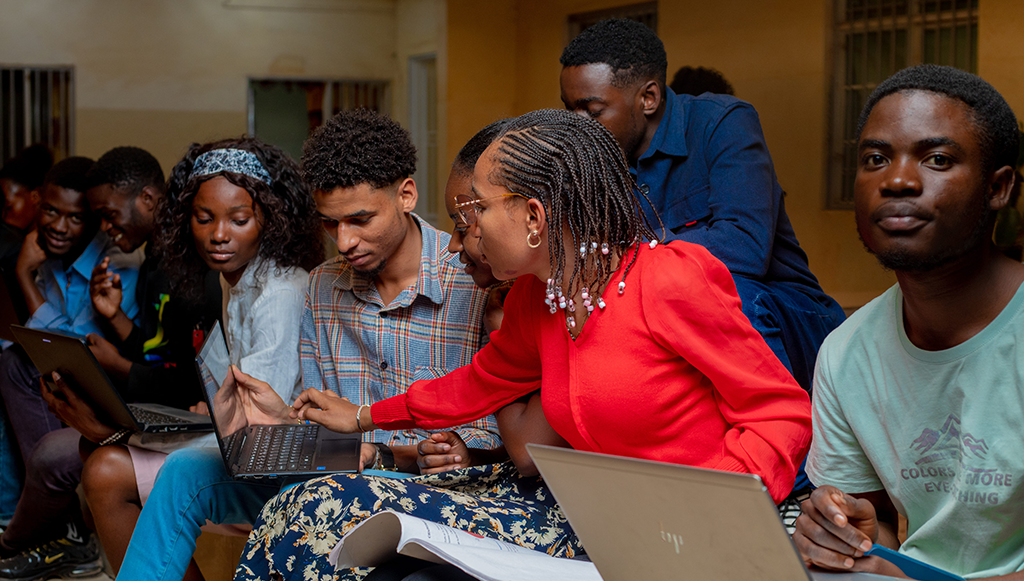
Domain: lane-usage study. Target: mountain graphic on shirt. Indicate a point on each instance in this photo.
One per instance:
(948, 443)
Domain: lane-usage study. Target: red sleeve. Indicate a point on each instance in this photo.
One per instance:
(507, 368)
(695, 311)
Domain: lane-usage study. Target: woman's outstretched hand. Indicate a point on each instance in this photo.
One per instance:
(331, 411)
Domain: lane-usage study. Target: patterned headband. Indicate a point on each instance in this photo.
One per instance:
(232, 160)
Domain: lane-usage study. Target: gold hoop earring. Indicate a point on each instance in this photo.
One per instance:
(530, 237)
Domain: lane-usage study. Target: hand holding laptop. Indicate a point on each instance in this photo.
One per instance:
(64, 403)
(260, 402)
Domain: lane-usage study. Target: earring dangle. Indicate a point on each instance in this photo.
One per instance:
(530, 237)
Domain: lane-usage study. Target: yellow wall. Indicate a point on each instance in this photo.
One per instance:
(776, 54)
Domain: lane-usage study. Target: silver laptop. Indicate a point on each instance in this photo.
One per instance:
(286, 451)
(70, 356)
(640, 519)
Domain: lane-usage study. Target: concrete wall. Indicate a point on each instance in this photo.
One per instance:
(161, 75)
(776, 54)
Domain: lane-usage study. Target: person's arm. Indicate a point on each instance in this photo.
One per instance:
(522, 422)
(106, 292)
(504, 370)
(125, 268)
(30, 259)
(743, 199)
(769, 414)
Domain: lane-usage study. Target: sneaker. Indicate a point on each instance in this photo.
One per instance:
(60, 558)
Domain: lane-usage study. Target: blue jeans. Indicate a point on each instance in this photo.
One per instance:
(793, 324)
(191, 488)
(49, 501)
(11, 472)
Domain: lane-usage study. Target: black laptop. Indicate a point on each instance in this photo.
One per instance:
(284, 451)
(70, 356)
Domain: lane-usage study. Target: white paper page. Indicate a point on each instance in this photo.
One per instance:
(489, 565)
(386, 540)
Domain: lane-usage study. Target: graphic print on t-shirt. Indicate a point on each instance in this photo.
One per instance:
(953, 462)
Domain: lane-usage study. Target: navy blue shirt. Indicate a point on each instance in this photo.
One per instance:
(711, 179)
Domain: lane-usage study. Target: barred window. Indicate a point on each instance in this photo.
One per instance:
(37, 105)
(285, 111)
(645, 13)
(872, 40)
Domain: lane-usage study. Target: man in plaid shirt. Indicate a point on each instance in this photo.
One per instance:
(395, 306)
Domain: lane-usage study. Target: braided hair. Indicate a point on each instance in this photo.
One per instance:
(576, 169)
(292, 234)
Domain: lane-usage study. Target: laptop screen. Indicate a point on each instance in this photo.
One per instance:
(214, 365)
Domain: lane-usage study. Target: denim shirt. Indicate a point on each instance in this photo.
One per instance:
(710, 177)
(68, 306)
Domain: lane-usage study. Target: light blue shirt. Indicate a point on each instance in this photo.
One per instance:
(68, 307)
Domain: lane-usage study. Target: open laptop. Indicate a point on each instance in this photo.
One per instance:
(285, 451)
(640, 519)
(70, 356)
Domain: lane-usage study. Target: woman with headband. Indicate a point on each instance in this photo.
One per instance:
(638, 348)
(240, 208)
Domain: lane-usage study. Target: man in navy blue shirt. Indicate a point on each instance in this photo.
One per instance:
(704, 167)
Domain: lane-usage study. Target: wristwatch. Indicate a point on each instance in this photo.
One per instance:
(384, 459)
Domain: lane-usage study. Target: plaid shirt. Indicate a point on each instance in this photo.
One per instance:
(354, 345)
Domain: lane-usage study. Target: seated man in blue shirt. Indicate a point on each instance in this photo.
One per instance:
(704, 168)
(54, 271)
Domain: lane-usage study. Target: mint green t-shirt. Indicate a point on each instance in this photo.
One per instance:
(941, 431)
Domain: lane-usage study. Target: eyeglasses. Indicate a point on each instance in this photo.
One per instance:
(466, 206)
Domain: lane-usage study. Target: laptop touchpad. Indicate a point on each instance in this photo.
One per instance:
(337, 454)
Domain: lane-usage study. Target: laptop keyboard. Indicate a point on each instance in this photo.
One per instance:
(283, 448)
(150, 417)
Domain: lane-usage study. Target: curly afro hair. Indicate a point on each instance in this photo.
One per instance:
(291, 236)
(357, 147)
(994, 121)
(633, 51)
(129, 170)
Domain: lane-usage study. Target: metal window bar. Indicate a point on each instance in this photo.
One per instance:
(36, 106)
(876, 38)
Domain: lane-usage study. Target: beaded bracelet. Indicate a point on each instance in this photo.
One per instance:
(115, 437)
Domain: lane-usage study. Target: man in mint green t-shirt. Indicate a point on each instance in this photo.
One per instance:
(919, 396)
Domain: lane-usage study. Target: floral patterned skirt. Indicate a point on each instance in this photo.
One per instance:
(299, 527)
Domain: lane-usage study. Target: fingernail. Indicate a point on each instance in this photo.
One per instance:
(865, 546)
(56, 376)
(307, 422)
(848, 563)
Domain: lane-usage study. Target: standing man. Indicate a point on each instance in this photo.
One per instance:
(393, 308)
(703, 165)
(918, 397)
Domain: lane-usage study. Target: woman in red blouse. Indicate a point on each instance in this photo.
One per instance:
(638, 349)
